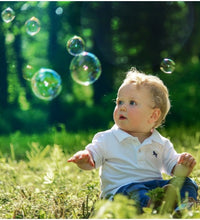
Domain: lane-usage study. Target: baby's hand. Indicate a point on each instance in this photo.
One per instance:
(185, 165)
(187, 160)
(83, 159)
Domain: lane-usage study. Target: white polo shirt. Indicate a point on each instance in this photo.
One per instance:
(123, 159)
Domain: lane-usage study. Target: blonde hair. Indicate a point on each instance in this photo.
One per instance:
(160, 94)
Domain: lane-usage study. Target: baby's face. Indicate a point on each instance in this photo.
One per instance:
(134, 108)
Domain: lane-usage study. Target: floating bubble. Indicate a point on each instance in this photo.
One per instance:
(8, 15)
(25, 7)
(59, 11)
(28, 72)
(85, 68)
(46, 84)
(32, 26)
(167, 66)
(75, 45)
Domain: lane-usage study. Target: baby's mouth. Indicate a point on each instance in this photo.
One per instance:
(121, 117)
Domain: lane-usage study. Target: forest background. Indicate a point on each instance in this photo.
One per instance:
(121, 34)
(37, 136)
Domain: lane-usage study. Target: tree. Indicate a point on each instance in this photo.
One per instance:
(4, 67)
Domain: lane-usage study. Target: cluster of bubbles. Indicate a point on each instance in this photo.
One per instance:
(32, 25)
(85, 67)
(46, 83)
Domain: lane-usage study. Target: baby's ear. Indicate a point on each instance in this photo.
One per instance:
(155, 115)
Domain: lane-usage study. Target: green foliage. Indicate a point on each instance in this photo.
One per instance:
(183, 137)
(46, 186)
(184, 85)
(156, 195)
(126, 44)
(69, 141)
(37, 182)
(120, 208)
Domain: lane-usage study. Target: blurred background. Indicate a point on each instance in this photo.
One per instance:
(121, 34)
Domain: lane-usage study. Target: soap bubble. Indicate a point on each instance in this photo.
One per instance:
(75, 45)
(59, 11)
(8, 15)
(85, 68)
(167, 66)
(32, 26)
(28, 72)
(46, 84)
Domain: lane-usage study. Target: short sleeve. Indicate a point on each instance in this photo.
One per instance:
(170, 157)
(97, 149)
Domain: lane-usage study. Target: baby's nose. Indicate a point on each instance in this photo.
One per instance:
(123, 107)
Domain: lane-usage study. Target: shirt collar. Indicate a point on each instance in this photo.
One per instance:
(122, 135)
(155, 137)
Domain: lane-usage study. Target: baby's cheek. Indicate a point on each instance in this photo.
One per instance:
(115, 114)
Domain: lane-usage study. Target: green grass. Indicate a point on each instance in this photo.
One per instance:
(37, 182)
(46, 186)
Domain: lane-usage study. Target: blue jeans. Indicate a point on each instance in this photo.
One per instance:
(138, 191)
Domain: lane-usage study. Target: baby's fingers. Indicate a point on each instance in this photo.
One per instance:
(86, 156)
(76, 157)
(91, 162)
(71, 159)
(182, 158)
(193, 163)
(187, 160)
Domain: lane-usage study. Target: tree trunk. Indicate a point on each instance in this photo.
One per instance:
(3, 71)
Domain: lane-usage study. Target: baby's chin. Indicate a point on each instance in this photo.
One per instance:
(124, 128)
(121, 127)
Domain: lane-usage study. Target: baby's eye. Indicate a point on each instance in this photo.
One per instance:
(119, 102)
(132, 102)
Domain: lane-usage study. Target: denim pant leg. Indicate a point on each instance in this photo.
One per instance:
(188, 187)
(153, 184)
(137, 191)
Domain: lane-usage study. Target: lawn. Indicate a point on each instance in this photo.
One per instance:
(37, 182)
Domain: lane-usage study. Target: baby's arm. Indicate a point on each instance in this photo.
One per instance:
(185, 165)
(83, 159)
